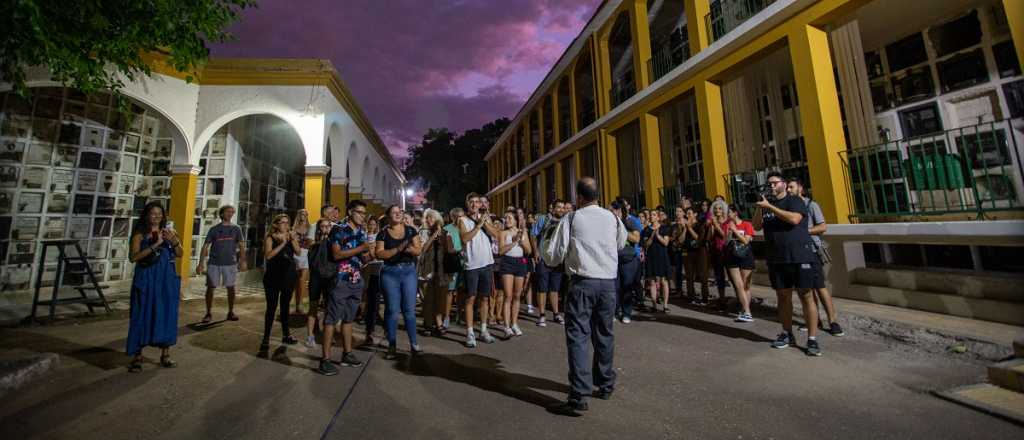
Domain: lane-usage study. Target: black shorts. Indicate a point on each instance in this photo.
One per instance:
(515, 266)
(531, 267)
(742, 263)
(343, 302)
(548, 279)
(479, 282)
(801, 276)
(319, 288)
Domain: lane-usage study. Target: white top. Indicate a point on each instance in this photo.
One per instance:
(591, 251)
(478, 250)
(516, 251)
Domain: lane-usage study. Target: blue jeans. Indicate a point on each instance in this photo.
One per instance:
(399, 285)
(589, 313)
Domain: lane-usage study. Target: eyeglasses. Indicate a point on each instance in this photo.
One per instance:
(775, 182)
(360, 212)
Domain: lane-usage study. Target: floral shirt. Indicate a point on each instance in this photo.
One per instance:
(348, 238)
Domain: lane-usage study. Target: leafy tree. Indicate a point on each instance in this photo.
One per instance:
(90, 44)
(450, 165)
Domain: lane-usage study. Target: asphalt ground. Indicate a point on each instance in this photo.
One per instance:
(686, 374)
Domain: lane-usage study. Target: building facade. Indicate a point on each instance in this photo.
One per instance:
(892, 113)
(264, 135)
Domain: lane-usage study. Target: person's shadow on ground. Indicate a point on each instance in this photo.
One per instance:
(484, 373)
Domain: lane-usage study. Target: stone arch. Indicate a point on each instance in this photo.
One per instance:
(300, 128)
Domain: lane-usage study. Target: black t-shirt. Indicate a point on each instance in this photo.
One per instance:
(788, 243)
(391, 243)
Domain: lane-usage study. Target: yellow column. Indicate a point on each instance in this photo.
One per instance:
(641, 43)
(181, 210)
(610, 164)
(712, 138)
(650, 150)
(316, 176)
(339, 194)
(696, 27)
(559, 190)
(540, 130)
(572, 100)
(556, 127)
(602, 74)
(821, 120)
(354, 195)
(1015, 17)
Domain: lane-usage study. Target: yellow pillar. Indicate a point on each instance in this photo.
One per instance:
(821, 120)
(696, 27)
(610, 164)
(602, 74)
(540, 131)
(559, 188)
(641, 43)
(316, 178)
(712, 138)
(1015, 17)
(181, 210)
(556, 126)
(339, 195)
(354, 195)
(650, 150)
(574, 122)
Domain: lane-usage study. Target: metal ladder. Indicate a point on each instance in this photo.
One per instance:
(68, 265)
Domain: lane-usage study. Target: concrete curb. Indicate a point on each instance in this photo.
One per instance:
(17, 373)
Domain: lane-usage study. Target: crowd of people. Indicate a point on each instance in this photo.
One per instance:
(583, 266)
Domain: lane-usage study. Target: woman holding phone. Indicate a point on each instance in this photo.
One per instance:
(279, 249)
(398, 245)
(156, 288)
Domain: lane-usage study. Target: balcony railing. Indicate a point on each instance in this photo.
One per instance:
(622, 89)
(670, 195)
(974, 170)
(726, 15)
(669, 54)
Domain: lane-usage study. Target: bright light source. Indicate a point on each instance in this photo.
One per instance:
(409, 192)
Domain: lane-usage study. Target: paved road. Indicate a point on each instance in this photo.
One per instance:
(684, 375)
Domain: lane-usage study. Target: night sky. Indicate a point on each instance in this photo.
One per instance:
(417, 64)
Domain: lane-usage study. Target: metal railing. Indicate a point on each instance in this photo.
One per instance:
(726, 15)
(669, 54)
(974, 169)
(670, 196)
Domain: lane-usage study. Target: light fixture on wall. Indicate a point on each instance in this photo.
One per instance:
(311, 108)
(409, 192)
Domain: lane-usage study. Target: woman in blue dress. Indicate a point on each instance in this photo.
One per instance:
(155, 288)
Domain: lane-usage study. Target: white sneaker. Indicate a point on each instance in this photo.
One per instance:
(744, 317)
(516, 331)
(529, 309)
(626, 320)
(486, 337)
(508, 332)
(470, 339)
(541, 322)
(310, 341)
(559, 319)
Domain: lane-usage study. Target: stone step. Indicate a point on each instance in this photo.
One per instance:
(970, 285)
(1008, 374)
(956, 305)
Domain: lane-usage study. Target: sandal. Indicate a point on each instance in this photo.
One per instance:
(232, 316)
(166, 362)
(135, 366)
(206, 319)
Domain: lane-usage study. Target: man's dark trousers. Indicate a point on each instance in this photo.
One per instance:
(589, 314)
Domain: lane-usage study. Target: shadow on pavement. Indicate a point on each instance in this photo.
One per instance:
(709, 327)
(484, 373)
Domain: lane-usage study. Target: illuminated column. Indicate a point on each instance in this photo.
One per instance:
(610, 164)
(602, 74)
(184, 182)
(641, 43)
(560, 190)
(339, 192)
(316, 178)
(556, 126)
(650, 149)
(696, 27)
(712, 138)
(821, 120)
(574, 123)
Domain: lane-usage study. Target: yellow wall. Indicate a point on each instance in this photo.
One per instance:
(314, 197)
(181, 211)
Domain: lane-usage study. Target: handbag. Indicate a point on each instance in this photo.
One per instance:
(322, 263)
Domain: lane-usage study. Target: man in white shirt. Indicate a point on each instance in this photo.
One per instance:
(479, 259)
(587, 241)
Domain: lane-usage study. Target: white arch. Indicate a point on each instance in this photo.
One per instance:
(304, 128)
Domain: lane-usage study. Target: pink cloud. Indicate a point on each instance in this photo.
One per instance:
(413, 65)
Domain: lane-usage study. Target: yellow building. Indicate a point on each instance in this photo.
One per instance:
(893, 113)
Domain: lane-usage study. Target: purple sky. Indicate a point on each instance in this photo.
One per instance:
(415, 64)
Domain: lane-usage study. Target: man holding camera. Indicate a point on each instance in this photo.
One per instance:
(791, 258)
